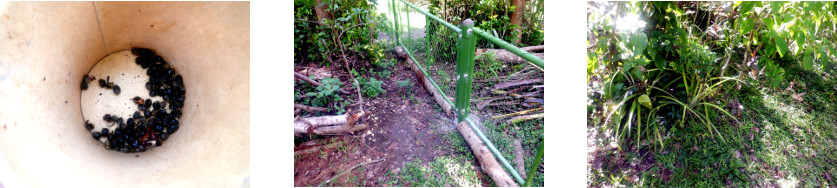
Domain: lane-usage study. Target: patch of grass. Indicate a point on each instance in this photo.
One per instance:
(442, 171)
(781, 142)
(530, 134)
(389, 180)
(457, 144)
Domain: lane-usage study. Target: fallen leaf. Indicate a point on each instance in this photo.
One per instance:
(798, 96)
(737, 154)
(790, 88)
(695, 148)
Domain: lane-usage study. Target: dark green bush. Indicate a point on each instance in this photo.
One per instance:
(351, 29)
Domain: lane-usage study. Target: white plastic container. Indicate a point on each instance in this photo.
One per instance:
(47, 47)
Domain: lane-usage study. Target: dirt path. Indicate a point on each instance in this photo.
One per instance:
(401, 129)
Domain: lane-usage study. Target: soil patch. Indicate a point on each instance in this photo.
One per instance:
(401, 128)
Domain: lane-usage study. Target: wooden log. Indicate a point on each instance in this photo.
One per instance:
(518, 158)
(322, 125)
(505, 55)
(302, 125)
(486, 159)
(339, 129)
(310, 108)
(532, 48)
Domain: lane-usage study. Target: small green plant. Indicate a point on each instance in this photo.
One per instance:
(323, 154)
(327, 93)
(406, 85)
(372, 87)
(385, 63)
(415, 100)
(489, 61)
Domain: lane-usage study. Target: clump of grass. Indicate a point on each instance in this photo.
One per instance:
(442, 171)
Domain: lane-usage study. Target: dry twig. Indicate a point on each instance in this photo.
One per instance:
(350, 169)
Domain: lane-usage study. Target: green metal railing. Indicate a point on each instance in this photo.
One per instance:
(465, 46)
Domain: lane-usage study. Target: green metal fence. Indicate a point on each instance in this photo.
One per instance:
(448, 61)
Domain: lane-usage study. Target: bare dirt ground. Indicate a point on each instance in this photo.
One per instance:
(401, 130)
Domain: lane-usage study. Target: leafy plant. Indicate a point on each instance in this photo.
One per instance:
(346, 27)
(677, 87)
(495, 16)
(327, 93)
(371, 87)
(488, 62)
(406, 85)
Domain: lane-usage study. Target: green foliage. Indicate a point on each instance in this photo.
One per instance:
(679, 95)
(775, 74)
(406, 85)
(494, 16)
(326, 95)
(372, 87)
(488, 66)
(350, 27)
(650, 97)
(453, 171)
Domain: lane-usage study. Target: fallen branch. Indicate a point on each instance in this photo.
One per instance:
(306, 79)
(532, 48)
(339, 129)
(317, 149)
(517, 83)
(487, 161)
(310, 108)
(322, 125)
(518, 158)
(505, 55)
(517, 113)
(350, 169)
(524, 118)
(497, 91)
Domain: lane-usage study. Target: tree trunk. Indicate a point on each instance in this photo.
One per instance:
(517, 18)
(320, 11)
(487, 161)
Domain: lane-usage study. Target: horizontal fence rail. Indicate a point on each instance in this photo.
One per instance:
(537, 61)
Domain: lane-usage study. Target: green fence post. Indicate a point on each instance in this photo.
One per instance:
(395, 19)
(427, 52)
(465, 69)
(409, 31)
(392, 21)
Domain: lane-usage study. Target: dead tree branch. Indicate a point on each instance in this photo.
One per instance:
(306, 79)
(310, 108)
(350, 169)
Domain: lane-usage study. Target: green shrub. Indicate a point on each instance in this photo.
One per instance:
(351, 28)
(372, 87)
(406, 85)
(327, 93)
